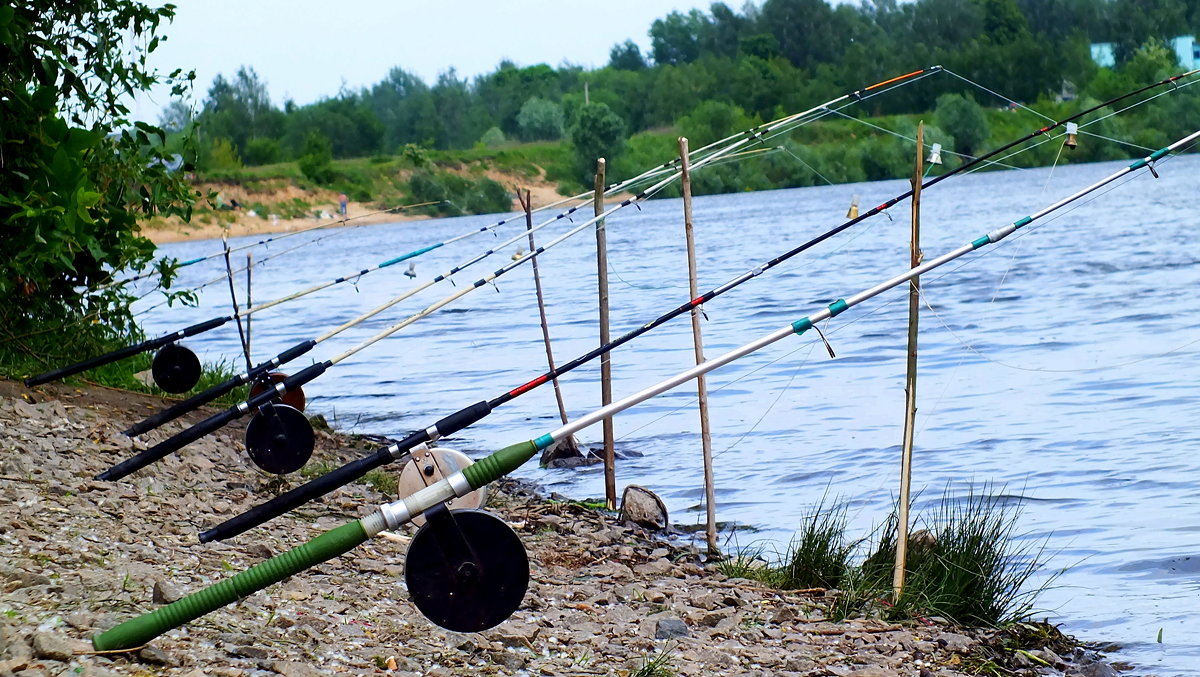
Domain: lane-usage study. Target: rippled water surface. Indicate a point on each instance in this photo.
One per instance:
(1059, 366)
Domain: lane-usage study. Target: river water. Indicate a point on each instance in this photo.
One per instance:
(1057, 369)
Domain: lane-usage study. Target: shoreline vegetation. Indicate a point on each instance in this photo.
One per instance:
(78, 556)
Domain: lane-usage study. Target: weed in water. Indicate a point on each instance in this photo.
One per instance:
(972, 570)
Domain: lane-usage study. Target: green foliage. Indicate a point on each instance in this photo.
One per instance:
(598, 132)
(493, 138)
(968, 565)
(316, 163)
(961, 116)
(540, 120)
(714, 120)
(77, 173)
(626, 56)
(219, 154)
(263, 151)
(457, 195)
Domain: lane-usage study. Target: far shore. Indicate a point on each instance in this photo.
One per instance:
(357, 214)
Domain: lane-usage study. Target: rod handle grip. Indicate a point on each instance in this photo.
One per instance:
(127, 351)
(142, 629)
(169, 445)
(180, 408)
(297, 497)
(499, 464)
(463, 418)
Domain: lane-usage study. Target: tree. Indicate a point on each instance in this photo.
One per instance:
(540, 119)
(75, 172)
(316, 162)
(240, 110)
(626, 56)
(597, 133)
(964, 119)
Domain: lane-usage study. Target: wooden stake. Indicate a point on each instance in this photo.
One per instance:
(233, 300)
(701, 387)
(610, 459)
(249, 276)
(910, 383)
(569, 442)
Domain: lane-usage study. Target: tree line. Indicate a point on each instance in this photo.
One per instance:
(766, 60)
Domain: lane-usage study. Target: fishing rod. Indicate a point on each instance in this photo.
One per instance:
(192, 403)
(419, 440)
(275, 456)
(274, 238)
(469, 575)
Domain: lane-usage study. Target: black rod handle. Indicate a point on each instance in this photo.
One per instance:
(176, 410)
(210, 424)
(169, 445)
(312, 490)
(344, 475)
(196, 401)
(127, 351)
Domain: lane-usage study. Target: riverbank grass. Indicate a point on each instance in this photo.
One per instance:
(966, 564)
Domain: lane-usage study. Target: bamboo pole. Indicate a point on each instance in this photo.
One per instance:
(610, 460)
(910, 383)
(249, 275)
(234, 302)
(710, 531)
(569, 442)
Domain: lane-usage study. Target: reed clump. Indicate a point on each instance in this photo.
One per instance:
(966, 564)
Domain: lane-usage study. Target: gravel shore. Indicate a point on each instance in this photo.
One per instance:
(78, 556)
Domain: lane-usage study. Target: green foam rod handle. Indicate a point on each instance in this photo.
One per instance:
(146, 627)
(499, 464)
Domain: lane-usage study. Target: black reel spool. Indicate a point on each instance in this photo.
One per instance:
(176, 369)
(279, 439)
(466, 570)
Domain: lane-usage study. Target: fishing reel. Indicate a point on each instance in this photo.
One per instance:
(292, 398)
(466, 570)
(432, 465)
(279, 437)
(176, 369)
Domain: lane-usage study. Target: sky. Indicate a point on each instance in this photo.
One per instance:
(308, 49)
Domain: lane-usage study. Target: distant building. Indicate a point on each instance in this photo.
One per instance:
(1186, 49)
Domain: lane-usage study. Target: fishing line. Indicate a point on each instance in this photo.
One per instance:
(914, 141)
(227, 250)
(1000, 96)
(1050, 137)
(972, 348)
(801, 161)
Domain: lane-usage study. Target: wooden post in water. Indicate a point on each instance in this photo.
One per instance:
(610, 460)
(569, 442)
(910, 382)
(710, 532)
